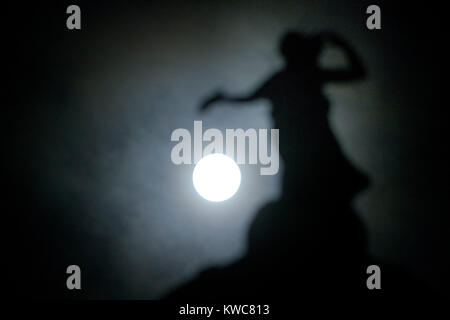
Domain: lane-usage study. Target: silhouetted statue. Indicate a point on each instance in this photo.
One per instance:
(313, 160)
(310, 239)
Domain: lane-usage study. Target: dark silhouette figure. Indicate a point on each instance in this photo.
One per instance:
(310, 240)
(313, 160)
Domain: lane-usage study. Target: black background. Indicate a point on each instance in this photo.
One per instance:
(45, 229)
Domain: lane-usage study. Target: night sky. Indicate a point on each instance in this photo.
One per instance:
(87, 158)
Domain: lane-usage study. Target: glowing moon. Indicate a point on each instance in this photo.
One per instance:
(216, 177)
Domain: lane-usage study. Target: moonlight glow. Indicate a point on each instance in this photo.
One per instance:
(216, 177)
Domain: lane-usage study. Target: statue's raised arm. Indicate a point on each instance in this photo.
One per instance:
(353, 71)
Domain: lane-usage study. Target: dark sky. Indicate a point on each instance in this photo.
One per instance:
(88, 149)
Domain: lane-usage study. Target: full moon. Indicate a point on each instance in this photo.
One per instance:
(216, 177)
